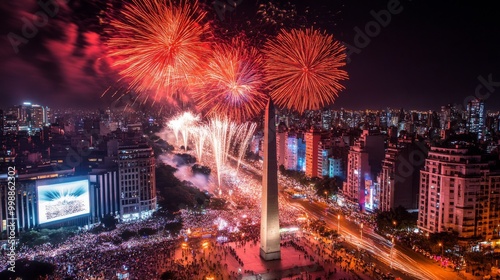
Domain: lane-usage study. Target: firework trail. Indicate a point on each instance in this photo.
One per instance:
(220, 133)
(183, 123)
(200, 134)
(189, 122)
(244, 133)
(303, 69)
(175, 125)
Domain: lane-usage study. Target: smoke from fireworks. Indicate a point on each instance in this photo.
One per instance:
(233, 80)
(303, 69)
(158, 45)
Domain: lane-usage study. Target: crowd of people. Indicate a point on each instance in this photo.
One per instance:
(225, 233)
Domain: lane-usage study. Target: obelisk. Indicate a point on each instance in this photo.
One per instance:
(269, 226)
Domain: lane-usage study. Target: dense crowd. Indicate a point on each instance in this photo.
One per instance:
(97, 256)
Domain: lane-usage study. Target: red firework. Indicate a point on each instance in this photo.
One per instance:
(302, 69)
(158, 45)
(234, 82)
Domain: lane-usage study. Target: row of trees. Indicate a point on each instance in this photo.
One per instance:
(389, 222)
(330, 186)
(53, 236)
(175, 194)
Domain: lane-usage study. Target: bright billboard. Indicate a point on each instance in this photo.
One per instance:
(59, 201)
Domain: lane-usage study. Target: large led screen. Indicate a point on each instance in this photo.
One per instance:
(62, 200)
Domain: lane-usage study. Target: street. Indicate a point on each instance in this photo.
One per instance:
(406, 261)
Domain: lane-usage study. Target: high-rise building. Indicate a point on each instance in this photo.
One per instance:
(136, 168)
(476, 118)
(313, 138)
(326, 119)
(335, 168)
(281, 146)
(458, 192)
(1, 126)
(400, 175)
(324, 164)
(104, 184)
(30, 117)
(364, 161)
(444, 117)
(301, 153)
(292, 151)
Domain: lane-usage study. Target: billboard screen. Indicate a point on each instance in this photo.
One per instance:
(62, 200)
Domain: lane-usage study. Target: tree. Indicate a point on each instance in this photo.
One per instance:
(147, 231)
(395, 220)
(109, 222)
(329, 185)
(175, 194)
(174, 228)
(127, 234)
(200, 169)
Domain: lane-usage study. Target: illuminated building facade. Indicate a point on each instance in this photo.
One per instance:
(136, 171)
(476, 118)
(399, 178)
(363, 162)
(335, 168)
(106, 193)
(313, 153)
(458, 192)
(29, 117)
(26, 211)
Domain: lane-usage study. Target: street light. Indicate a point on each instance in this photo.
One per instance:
(326, 196)
(442, 248)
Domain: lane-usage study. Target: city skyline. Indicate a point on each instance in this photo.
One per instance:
(424, 57)
(221, 139)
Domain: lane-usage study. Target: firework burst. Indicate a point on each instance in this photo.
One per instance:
(158, 45)
(233, 81)
(303, 69)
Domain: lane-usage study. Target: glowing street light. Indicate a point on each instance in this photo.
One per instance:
(442, 248)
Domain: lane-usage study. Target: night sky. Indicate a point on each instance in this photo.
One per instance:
(430, 53)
